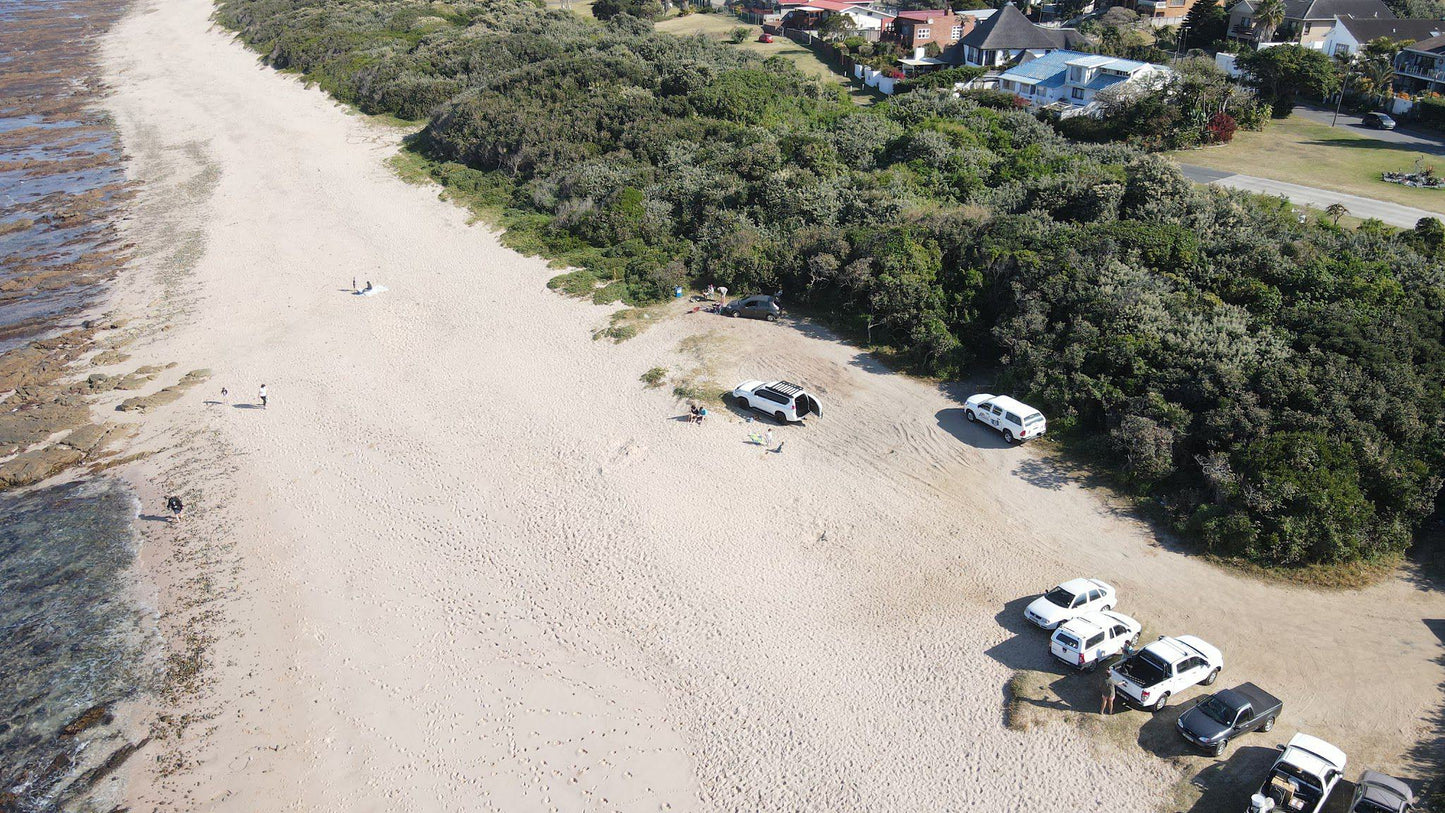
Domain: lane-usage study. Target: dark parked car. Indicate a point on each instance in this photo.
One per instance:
(1378, 793)
(753, 307)
(1379, 121)
(1222, 716)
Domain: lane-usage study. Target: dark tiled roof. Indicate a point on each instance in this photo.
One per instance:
(1372, 29)
(1009, 29)
(1329, 9)
(1434, 45)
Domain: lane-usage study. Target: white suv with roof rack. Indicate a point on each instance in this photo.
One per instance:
(1016, 420)
(784, 400)
(1089, 640)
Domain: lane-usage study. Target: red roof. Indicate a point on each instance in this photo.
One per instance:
(831, 5)
(923, 16)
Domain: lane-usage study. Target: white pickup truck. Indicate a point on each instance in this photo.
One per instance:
(1302, 777)
(1149, 677)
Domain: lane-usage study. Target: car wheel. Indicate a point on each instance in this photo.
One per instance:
(1162, 702)
(781, 417)
(742, 403)
(1213, 676)
(1218, 748)
(1008, 436)
(733, 314)
(1268, 723)
(968, 413)
(772, 317)
(1091, 666)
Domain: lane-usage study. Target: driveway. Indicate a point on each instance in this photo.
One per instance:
(1416, 138)
(1394, 214)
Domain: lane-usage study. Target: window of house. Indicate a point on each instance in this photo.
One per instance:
(957, 33)
(1078, 93)
(921, 33)
(1075, 74)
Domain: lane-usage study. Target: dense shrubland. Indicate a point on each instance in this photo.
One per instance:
(1276, 385)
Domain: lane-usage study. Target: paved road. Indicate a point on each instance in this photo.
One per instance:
(1394, 214)
(1413, 138)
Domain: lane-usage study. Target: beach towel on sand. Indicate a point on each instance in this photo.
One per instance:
(375, 289)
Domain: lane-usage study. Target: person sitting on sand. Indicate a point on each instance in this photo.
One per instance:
(367, 289)
(701, 415)
(692, 414)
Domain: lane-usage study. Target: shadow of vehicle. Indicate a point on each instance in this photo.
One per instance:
(1027, 646)
(1227, 784)
(1159, 737)
(952, 421)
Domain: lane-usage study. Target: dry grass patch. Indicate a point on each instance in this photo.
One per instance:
(1297, 150)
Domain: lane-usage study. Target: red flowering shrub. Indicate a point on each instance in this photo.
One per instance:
(1220, 129)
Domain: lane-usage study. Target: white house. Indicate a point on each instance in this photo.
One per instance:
(1350, 34)
(1069, 80)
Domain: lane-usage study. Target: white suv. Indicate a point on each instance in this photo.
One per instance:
(1071, 599)
(1016, 420)
(1089, 640)
(783, 400)
(1165, 668)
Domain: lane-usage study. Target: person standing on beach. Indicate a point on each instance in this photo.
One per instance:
(263, 396)
(1106, 697)
(225, 396)
(175, 506)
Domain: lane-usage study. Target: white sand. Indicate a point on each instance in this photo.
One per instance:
(478, 566)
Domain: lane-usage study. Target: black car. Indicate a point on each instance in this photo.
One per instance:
(1222, 716)
(753, 307)
(1379, 121)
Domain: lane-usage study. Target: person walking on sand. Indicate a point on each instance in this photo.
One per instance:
(175, 506)
(1106, 697)
(768, 440)
(225, 396)
(263, 396)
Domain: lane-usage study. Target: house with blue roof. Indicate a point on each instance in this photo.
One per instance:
(1068, 81)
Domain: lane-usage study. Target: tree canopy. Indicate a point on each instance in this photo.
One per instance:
(1285, 72)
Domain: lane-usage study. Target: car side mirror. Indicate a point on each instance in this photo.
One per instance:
(1279, 747)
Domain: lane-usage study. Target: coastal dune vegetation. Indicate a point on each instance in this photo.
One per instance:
(1274, 385)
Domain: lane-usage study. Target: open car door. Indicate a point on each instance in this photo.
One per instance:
(810, 406)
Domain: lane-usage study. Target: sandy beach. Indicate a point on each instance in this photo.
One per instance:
(464, 559)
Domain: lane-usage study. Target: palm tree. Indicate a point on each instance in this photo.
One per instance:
(1268, 16)
(1377, 78)
(1336, 211)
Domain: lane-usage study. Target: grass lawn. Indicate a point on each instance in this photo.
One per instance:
(720, 27)
(1304, 152)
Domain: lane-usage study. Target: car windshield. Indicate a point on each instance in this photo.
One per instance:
(1033, 418)
(1060, 596)
(1067, 641)
(1145, 669)
(1216, 710)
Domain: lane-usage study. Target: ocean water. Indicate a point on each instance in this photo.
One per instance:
(62, 183)
(70, 638)
(72, 642)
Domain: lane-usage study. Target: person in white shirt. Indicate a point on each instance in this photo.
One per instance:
(263, 396)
